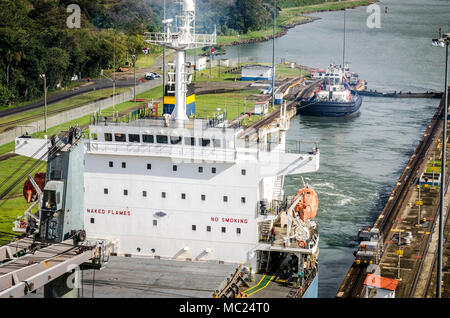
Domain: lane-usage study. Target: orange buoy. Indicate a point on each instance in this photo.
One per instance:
(308, 204)
(302, 244)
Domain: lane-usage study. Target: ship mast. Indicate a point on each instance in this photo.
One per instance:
(343, 49)
(181, 39)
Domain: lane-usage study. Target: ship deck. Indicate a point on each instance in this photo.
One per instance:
(127, 277)
(271, 285)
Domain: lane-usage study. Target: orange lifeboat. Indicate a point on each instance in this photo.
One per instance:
(29, 191)
(308, 204)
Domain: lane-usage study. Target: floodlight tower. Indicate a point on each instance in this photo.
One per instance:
(183, 38)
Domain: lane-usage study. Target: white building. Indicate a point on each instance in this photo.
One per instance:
(380, 287)
(198, 62)
(256, 73)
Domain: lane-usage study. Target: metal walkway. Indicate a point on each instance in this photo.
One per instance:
(20, 275)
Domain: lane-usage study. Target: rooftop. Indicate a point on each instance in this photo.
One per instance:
(381, 282)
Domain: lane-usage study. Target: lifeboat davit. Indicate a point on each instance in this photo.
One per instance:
(308, 204)
(29, 192)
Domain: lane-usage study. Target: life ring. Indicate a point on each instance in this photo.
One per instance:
(301, 244)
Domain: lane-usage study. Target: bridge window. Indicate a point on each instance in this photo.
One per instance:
(203, 197)
(200, 169)
(208, 228)
(125, 192)
(163, 195)
(105, 191)
(148, 139)
(204, 142)
(144, 194)
(120, 137)
(111, 164)
(174, 168)
(162, 139)
(189, 141)
(225, 198)
(243, 172)
(238, 230)
(108, 137)
(176, 140)
(194, 227)
(213, 170)
(216, 143)
(149, 166)
(124, 165)
(243, 199)
(134, 138)
(224, 229)
(92, 220)
(183, 196)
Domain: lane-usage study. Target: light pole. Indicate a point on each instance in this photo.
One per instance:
(446, 40)
(273, 53)
(114, 88)
(45, 100)
(134, 64)
(164, 55)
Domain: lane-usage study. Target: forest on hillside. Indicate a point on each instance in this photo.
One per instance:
(35, 39)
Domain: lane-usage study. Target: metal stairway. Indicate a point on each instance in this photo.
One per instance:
(265, 230)
(278, 188)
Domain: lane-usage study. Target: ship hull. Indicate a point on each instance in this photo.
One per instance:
(331, 109)
(313, 289)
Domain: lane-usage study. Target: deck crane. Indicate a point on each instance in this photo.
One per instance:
(53, 248)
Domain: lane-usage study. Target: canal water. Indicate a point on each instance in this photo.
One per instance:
(362, 158)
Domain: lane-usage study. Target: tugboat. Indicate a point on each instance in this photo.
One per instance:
(334, 98)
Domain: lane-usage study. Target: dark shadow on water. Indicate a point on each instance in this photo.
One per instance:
(324, 119)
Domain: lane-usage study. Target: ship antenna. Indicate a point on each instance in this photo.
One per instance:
(273, 52)
(343, 51)
(181, 40)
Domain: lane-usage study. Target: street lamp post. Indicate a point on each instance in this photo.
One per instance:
(134, 64)
(164, 55)
(114, 88)
(273, 53)
(446, 41)
(45, 100)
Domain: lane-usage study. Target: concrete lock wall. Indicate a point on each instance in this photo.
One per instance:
(75, 113)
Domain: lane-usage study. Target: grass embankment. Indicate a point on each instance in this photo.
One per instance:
(213, 75)
(14, 204)
(233, 103)
(69, 103)
(51, 92)
(154, 93)
(290, 17)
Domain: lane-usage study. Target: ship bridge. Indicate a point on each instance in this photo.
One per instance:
(201, 140)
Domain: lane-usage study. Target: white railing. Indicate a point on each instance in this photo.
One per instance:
(180, 40)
